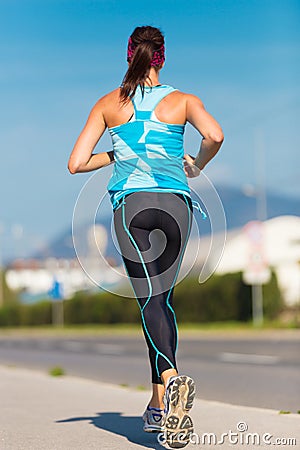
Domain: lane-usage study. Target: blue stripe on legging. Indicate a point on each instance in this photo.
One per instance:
(150, 291)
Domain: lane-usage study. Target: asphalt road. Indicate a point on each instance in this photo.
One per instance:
(261, 371)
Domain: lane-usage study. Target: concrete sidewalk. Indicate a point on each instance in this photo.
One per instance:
(39, 412)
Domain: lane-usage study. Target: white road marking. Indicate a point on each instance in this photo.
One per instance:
(248, 358)
(104, 349)
(73, 345)
(109, 349)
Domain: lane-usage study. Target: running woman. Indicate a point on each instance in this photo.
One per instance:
(152, 207)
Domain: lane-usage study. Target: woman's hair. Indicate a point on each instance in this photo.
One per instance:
(145, 50)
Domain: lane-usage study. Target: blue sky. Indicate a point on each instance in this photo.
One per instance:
(242, 58)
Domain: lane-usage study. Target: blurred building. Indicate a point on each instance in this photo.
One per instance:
(91, 269)
(35, 278)
(281, 252)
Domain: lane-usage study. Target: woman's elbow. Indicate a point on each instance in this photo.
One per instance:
(73, 167)
(217, 136)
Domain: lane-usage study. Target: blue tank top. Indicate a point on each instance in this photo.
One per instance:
(148, 153)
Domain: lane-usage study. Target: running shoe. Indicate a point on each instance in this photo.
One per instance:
(154, 419)
(178, 400)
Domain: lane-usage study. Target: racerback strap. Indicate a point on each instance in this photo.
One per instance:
(144, 106)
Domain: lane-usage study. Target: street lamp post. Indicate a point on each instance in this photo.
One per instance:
(1, 286)
(257, 273)
(1, 270)
(261, 215)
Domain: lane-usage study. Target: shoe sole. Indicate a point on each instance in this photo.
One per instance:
(179, 399)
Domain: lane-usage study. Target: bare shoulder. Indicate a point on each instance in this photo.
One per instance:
(176, 95)
(175, 99)
(107, 100)
(192, 100)
(104, 107)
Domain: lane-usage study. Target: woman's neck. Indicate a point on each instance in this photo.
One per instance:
(152, 79)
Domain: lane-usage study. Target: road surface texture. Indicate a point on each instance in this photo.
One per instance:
(250, 369)
(40, 412)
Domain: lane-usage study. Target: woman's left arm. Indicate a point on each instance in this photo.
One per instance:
(82, 158)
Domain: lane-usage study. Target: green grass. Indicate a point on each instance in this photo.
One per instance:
(135, 329)
(70, 329)
(235, 325)
(56, 371)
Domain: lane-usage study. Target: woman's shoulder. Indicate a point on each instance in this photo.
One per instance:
(183, 97)
(108, 102)
(187, 95)
(109, 97)
(190, 100)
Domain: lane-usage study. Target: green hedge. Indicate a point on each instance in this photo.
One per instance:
(100, 308)
(9, 296)
(221, 298)
(26, 315)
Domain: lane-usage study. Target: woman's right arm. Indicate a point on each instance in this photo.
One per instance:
(208, 127)
(82, 158)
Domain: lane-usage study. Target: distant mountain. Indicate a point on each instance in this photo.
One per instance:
(239, 209)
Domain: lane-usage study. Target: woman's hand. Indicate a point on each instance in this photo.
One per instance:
(189, 167)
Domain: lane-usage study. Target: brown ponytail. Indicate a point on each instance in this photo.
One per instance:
(145, 44)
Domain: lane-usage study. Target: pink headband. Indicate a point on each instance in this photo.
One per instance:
(158, 56)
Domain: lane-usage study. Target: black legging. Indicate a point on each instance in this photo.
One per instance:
(152, 230)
